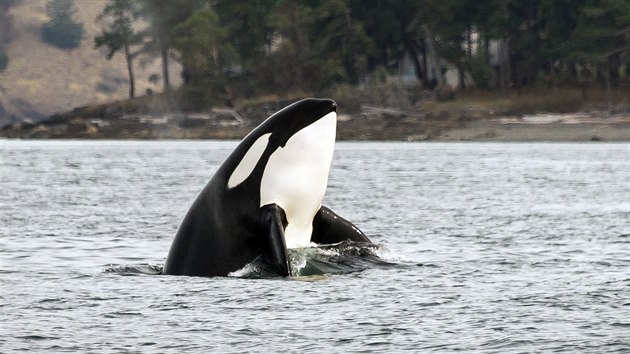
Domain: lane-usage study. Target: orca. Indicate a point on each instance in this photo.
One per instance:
(265, 198)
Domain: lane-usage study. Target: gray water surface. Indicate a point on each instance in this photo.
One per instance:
(506, 248)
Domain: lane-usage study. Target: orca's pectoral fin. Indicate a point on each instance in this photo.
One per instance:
(329, 227)
(274, 221)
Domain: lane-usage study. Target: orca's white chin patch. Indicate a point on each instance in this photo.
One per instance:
(296, 177)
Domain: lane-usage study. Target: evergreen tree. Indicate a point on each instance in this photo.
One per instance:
(280, 46)
(205, 55)
(4, 61)
(61, 30)
(249, 27)
(602, 36)
(120, 35)
(5, 32)
(163, 17)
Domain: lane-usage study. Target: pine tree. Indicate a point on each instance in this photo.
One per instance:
(163, 16)
(120, 35)
(200, 41)
(61, 30)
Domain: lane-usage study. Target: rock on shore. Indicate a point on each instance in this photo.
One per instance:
(133, 120)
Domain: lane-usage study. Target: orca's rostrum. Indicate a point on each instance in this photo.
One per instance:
(265, 197)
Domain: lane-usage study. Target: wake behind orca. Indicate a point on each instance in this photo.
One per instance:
(308, 263)
(265, 198)
(340, 258)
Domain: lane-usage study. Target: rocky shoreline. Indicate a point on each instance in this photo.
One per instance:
(431, 123)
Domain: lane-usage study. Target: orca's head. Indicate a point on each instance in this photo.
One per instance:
(297, 144)
(299, 137)
(287, 122)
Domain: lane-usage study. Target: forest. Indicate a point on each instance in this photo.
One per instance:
(230, 49)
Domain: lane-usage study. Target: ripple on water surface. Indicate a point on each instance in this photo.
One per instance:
(496, 247)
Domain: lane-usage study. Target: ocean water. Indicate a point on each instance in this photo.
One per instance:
(503, 248)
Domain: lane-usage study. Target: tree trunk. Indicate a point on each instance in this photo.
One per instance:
(434, 57)
(351, 55)
(516, 74)
(425, 73)
(412, 49)
(493, 80)
(552, 70)
(384, 56)
(613, 63)
(504, 63)
(608, 87)
(132, 84)
(469, 43)
(165, 79)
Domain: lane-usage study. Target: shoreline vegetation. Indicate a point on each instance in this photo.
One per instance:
(381, 112)
(399, 70)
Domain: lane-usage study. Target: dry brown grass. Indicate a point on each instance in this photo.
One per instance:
(530, 101)
(56, 80)
(556, 100)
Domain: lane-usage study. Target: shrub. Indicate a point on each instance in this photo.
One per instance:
(61, 30)
(66, 35)
(4, 61)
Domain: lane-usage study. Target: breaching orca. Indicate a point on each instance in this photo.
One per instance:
(265, 197)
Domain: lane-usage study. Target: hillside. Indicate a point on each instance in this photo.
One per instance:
(42, 79)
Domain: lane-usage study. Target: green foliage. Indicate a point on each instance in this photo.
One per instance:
(249, 26)
(276, 47)
(480, 71)
(63, 35)
(61, 30)
(602, 30)
(120, 35)
(163, 16)
(204, 55)
(120, 15)
(4, 61)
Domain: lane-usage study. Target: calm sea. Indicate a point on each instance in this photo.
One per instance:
(506, 248)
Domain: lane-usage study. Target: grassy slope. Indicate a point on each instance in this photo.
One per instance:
(53, 80)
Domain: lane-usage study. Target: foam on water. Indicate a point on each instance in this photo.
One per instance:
(341, 258)
(134, 269)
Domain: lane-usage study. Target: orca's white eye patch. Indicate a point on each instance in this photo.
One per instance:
(249, 161)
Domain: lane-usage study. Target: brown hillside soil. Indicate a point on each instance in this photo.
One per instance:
(44, 79)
